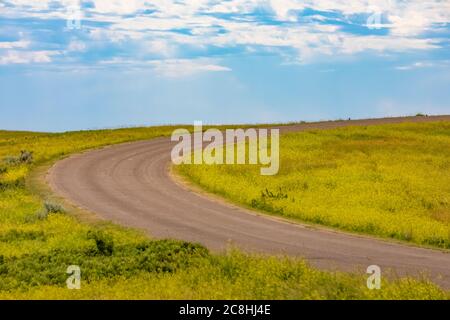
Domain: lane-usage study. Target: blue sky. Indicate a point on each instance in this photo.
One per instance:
(140, 62)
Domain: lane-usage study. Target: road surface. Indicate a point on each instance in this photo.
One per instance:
(130, 184)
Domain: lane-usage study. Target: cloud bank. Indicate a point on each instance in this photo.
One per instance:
(191, 36)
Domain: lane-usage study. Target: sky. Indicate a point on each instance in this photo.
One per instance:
(70, 65)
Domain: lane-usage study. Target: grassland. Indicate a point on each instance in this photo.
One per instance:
(391, 181)
(39, 239)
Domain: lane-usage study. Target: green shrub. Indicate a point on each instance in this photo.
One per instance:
(103, 242)
(25, 157)
(49, 208)
(52, 207)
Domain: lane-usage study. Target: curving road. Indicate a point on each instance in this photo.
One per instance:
(130, 184)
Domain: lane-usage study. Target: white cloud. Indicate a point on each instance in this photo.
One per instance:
(171, 68)
(14, 44)
(285, 9)
(177, 68)
(120, 7)
(408, 22)
(160, 47)
(379, 43)
(76, 45)
(424, 64)
(23, 57)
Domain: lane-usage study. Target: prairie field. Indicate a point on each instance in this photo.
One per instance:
(391, 181)
(40, 238)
